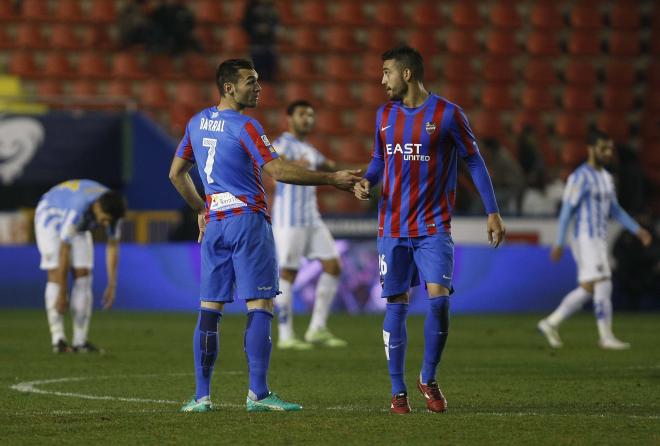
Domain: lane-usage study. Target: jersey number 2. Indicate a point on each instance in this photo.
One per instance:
(210, 144)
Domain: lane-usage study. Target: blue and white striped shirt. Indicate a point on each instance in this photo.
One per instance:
(591, 197)
(295, 205)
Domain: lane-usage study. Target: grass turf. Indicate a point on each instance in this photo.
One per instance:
(503, 384)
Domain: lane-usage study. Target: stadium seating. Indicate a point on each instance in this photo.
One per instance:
(153, 95)
(578, 99)
(388, 14)
(580, 72)
(84, 89)
(540, 72)
(314, 12)
(426, 15)
(625, 15)
(460, 70)
(546, 16)
(571, 126)
(29, 36)
(617, 99)
(585, 17)
(342, 40)
(624, 44)
(63, 37)
(537, 99)
(584, 43)
(465, 14)
(35, 10)
(463, 43)
(103, 11)
(69, 11)
(616, 125)
(22, 64)
(57, 65)
(620, 73)
(542, 43)
(350, 13)
(502, 43)
(127, 66)
(504, 14)
(92, 65)
(496, 97)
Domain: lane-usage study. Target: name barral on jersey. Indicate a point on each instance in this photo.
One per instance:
(212, 125)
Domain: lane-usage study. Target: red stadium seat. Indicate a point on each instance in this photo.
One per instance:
(459, 94)
(353, 150)
(578, 99)
(616, 125)
(463, 43)
(294, 91)
(350, 13)
(209, 11)
(571, 125)
(103, 11)
(465, 14)
(502, 43)
(538, 99)
(546, 16)
(63, 37)
(207, 36)
(652, 101)
(153, 95)
(504, 14)
(488, 125)
(365, 120)
(198, 67)
(268, 97)
(300, 67)
(543, 43)
(342, 40)
(29, 36)
(127, 66)
(573, 152)
(496, 97)
(579, 72)
(49, 87)
(92, 65)
(618, 99)
(188, 94)
(22, 64)
(649, 127)
(624, 44)
(498, 70)
(330, 122)
(584, 43)
(653, 73)
(34, 10)
(235, 39)
(57, 65)
(97, 36)
(372, 68)
(585, 17)
(342, 68)
(307, 39)
(620, 73)
(69, 11)
(459, 70)
(373, 95)
(380, 39)
(314, 12)
(426, 15)
(164, 67)
(5, 40)
(528, 118)
(7, 11)
(118, 89)
(84, 89)
(388, 14)
(423, 40)
(540, 72)
(625, 15)
(339, 95)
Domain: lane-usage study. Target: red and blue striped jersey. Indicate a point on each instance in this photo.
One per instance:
(418, 148)
(230, 150)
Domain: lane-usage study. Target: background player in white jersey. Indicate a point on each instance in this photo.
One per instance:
(63, 220)
(300, 232)
(590, 197)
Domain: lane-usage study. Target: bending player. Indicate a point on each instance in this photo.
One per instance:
(590, 197)
(63, 220)
(238, 251)
(419, 136)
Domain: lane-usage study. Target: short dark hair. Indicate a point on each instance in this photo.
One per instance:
(295, 104)
(595, 134)
(227, 72)
(114, 204)
(407, 57)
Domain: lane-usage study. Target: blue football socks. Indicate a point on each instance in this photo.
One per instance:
(257, 345)
(396, 339)
(205, 349)
(436, 329)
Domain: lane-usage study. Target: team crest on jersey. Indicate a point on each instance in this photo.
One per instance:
(214, 115)
(264, 138)
(430, 128)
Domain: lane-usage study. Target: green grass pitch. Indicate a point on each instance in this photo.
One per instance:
(503, 384)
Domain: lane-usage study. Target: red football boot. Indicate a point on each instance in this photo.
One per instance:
(400, 404)
(435, 400)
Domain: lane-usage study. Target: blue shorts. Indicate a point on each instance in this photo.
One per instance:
(238, 255)
(402, 260)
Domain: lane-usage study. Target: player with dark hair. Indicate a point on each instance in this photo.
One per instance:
(238, 251)
(590, 197)
(300, 232)
(419, 136)
(63, 220)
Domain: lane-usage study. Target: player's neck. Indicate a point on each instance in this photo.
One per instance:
(592, 162)
(416, 96)
(298, 136)
(227, 103)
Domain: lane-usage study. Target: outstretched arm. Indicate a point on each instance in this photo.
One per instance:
(288, 172)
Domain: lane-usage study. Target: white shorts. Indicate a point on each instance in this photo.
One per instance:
(591, 258)
(312, 242)
(48, 242)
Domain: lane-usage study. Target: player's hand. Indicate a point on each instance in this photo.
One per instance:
(645, 237)
(61, 303)
(495, 229)
(201, 222)
(556, 253)
(109, 296)
(346, 179)
(362, 189)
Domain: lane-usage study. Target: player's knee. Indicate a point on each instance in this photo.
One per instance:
(261, 304)
(398, 299)
(288, 274)
(332, 267)
(588, 287)
(436, 290)
(217, 306)
(81, 272)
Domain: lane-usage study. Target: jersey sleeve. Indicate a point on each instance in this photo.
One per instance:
(69, 225)
(374, 171)
(184, 149)
(255, 142)
(574, 190)
(462, 135)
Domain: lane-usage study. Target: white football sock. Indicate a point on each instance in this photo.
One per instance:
(55, 319)
(603, 309)
(284, 304)
(325, 294)
(571, 303)
(81, 308)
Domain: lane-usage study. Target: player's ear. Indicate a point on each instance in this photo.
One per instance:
(407, 74)
(229, 88)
